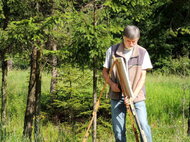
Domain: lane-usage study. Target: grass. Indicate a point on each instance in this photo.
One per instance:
(167, 105)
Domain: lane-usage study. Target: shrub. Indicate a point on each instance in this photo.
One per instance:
(180, 66)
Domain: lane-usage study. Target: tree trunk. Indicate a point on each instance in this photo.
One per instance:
(38, 96)
(54, 69)
(10, 65)
(32, 113)
(94, 131)
(6, 12)
(4, 95)
(31, 100)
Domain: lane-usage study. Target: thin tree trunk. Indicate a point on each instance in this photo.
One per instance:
(38, 80)
(94, 131)
(38, 96)
(4, 96)
(54, 72)
(10, 65)
(6, 12)
(31, 100)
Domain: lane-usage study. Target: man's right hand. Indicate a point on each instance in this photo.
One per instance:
(114, 87)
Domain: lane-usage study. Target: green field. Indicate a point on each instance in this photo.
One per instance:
(167, 105)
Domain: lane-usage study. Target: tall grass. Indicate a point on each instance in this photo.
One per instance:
(167, 97)
(16, 102)
(167, 103)
(167, 106)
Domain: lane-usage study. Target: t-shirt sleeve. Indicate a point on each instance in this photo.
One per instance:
(107, 62)
(147, 65)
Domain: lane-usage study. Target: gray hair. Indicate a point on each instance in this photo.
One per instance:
(131, 32)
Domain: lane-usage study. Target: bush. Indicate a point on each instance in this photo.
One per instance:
(21, 62)
(180, 66)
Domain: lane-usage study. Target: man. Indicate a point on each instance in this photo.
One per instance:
(138, 61)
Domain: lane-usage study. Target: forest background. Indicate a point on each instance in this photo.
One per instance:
(52, 52)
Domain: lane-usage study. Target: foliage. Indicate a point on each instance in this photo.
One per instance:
(91, 36)
(73, 95)
(20, 62)
(167, 32)
(73, 101)
(98, 27)
(180, 66)
(83, 30)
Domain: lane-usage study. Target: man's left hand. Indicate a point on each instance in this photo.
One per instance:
(127, 101)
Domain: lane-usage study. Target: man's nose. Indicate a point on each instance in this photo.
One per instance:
(130, 43)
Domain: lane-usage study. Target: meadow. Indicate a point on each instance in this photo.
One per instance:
(168, 99)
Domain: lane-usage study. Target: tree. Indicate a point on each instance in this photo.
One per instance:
(33, 94)
(94, 131)
(41, 28)
(31, 33)
(4, 67)
(86, 47)
(9, 13)
(167, 31)
(32, 113)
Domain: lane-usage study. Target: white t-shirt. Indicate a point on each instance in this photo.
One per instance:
(127, 53)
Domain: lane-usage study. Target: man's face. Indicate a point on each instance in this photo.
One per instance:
(129, 43)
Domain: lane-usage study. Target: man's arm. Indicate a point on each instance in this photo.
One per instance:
(140, 84)
(139, 87)
(114, 86)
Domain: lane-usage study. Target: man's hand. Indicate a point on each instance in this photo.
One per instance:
(127, 101)
(114, 87)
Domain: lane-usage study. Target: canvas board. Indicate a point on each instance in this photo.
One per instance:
(123, 75)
